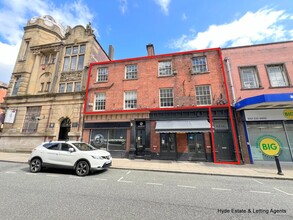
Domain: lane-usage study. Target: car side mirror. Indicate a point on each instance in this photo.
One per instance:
(71, 150)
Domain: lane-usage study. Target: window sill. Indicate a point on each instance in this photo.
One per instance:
(280, 87)
(172, 75)
(199, 73)
(259, 88)
(102, 82)
(130, 79)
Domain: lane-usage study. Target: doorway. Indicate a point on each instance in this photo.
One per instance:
(168, 146)
(196, 146)
(64, 129)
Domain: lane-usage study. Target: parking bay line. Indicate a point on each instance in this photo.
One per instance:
(221, 189)
(257, 181)
(100, 179)
(192, 187)
(157, 184)
(51, 175)
(123, 181)
(289, 194)
(260, 192)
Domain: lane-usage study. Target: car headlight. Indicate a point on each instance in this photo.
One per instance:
(97, 157)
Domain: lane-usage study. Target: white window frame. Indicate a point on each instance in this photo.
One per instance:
(102, 74)
(203, 97)
(165, 68)
(100, 101)
(130, 100)
(199, 64)
(131, 71)
(277, 78)
(166, 98)
(249, 77)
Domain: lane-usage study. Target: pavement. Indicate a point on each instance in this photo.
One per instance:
(257, 170)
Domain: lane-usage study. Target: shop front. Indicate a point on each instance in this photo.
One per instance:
(270, 128)
(193, 135)
(267, 124)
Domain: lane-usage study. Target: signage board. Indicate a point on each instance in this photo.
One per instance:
(268, 114)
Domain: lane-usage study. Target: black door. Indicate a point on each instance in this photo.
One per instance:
(140, 142)
(224, 146)
(196, 146)
(168, 146)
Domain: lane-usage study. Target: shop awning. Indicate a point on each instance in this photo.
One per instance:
(280, 100)
(182, 126)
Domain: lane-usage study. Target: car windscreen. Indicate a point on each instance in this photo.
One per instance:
(83, 146)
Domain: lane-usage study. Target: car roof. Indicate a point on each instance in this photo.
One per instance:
(56, 142)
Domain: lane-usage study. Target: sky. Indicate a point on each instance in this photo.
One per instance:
(170, 25)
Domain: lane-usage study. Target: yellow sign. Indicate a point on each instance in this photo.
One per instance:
(269, 145)
(288, 113)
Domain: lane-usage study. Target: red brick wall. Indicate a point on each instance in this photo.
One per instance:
(2, 95)
(148, 83)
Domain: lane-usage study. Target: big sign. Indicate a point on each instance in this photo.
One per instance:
(269, 145)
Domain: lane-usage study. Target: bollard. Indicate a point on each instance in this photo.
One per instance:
(278, 165)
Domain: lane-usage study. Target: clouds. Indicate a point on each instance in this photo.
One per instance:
(14, 15)
(263, 25)
(123, 5)
(164, 4)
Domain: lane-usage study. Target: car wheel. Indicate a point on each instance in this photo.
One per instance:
(36, 165)
(82, 168)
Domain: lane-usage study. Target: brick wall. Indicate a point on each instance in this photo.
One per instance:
(148, 84)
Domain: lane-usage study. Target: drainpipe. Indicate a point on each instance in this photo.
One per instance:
(227, 61)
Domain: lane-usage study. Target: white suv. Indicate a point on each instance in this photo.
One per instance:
(79, 156)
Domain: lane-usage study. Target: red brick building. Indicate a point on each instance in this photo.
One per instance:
(170, 106)
(261, 90)
(3, 91)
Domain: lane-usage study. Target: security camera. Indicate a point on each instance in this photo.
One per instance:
(38, 118)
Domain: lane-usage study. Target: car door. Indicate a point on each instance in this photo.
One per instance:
(52, 154)
(66, 157)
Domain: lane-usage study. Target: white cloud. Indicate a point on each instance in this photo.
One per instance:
(251, 28)
(123, 6)
(184, 17)
(14, 15)
(164, 4)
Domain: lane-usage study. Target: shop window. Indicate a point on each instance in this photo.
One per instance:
(109, 139)
(272, 130)
(249, 77)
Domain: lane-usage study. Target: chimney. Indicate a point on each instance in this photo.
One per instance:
(150, 49)
(111, 52)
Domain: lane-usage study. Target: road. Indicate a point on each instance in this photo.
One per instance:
(127, 194)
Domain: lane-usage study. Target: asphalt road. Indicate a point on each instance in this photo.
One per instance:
(127, 194)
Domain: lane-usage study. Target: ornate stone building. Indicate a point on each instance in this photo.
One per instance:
(45, 95)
